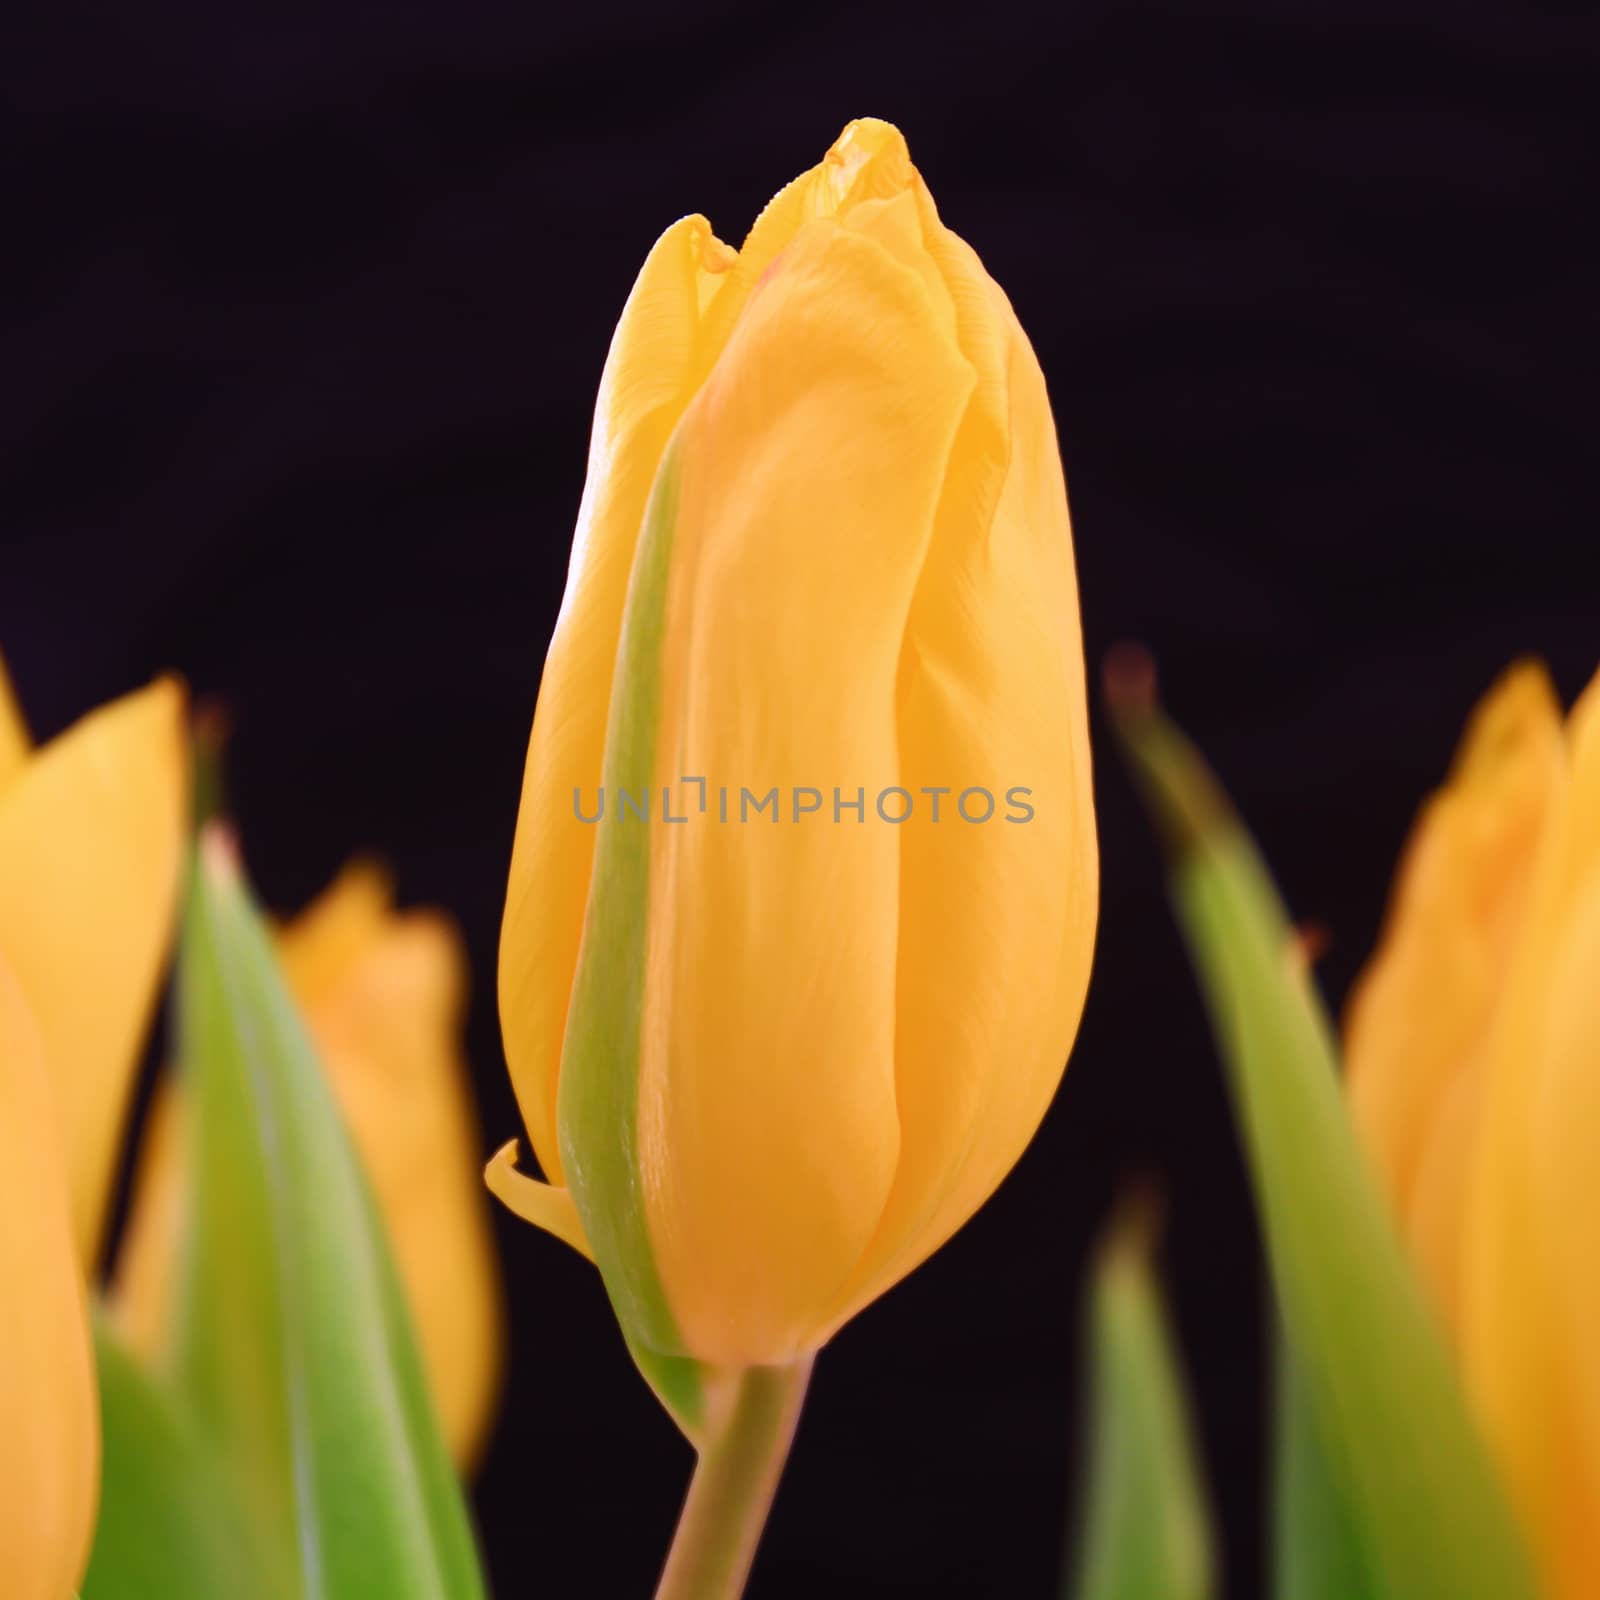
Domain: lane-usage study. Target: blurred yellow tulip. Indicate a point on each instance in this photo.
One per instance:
(1473, 1049)
(49, 1417)
(91, 830)
(776, 1043)
(91, 847)
(382, 992)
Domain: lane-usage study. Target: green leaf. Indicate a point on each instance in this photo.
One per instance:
(1317, 1549)
(169, 1527)
(292, 1343)
(1143, 1532)
(1381, 1387)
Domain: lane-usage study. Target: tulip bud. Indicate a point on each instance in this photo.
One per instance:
(784, 1015)
(1474, 1057)
(49, 1419)
(1419, 1017)
(382, 993)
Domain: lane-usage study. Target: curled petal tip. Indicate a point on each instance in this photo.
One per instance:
(712, 254)
(869, 144)
(543, 1204)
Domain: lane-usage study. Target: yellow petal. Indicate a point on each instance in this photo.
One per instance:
(147, 1255)
(812, 465)
(542, 1204)
(658, 355)
(1435, 1218)
(49, 1418)
(1565, 1207)
(322, 946)
(997, 919)
(869, 161)
(1528, 1306)
(90, 848)
(15, 744)
(1420, 1011)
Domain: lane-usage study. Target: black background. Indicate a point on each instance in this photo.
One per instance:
(308, 310)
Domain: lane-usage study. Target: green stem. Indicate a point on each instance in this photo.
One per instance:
(749, 1426)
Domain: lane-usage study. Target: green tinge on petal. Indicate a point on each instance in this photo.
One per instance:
(1317, 1549)
(171, 1526)
(599, 1091)
(1384, 1396)
(1144, 1531)
(293, 1348)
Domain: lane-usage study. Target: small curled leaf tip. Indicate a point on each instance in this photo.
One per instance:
(1185, 801)
(1129, 679)
(210, 725)
(219, 851)
(1137, 1222)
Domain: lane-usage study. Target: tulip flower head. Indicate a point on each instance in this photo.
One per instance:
(803, 895)
(91, 831)
(1473, 1048)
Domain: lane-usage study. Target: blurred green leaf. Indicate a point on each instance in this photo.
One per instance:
(292, 1343)
(1143, 1532)
(1317, 1550)
(169, 1526)
(1381, 1388)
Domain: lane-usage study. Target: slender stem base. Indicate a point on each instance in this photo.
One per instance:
(750, 1425)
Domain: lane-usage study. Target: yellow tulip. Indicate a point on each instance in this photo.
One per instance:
(91, 829)
(382, 993)
(1473, 1048)
(91, 844)
(49, 1416)
(770, 1059)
